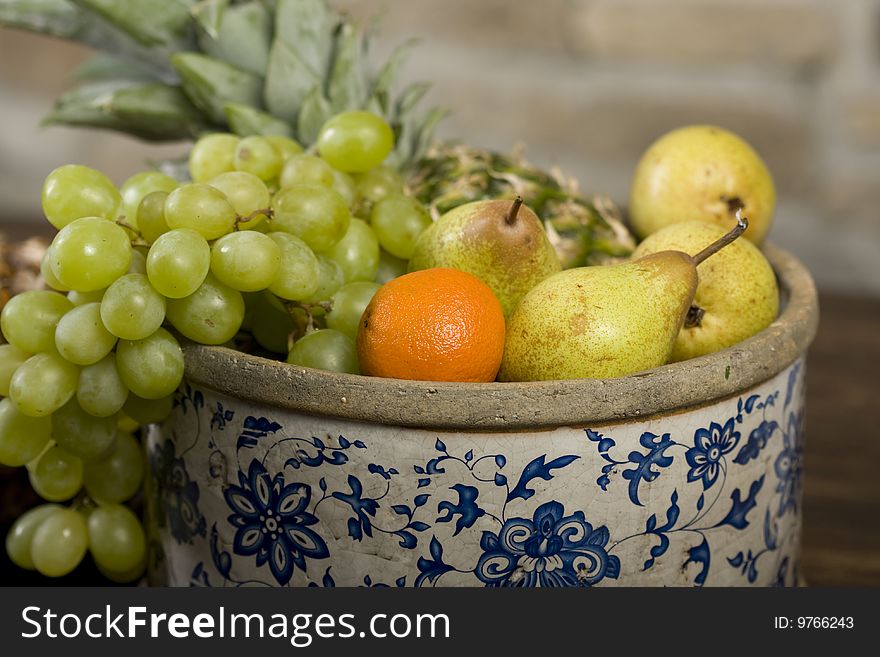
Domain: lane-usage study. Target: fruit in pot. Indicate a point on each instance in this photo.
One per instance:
(604, 321)
(501, 243)
(432, 325)
(737, 295)
(703, 173)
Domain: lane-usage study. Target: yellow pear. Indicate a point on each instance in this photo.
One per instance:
(503, 243)
(737, 295)
(703, 173)
(604, 321)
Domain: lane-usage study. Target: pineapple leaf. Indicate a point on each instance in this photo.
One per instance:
(159, 111)
(245, 121)
(387, 76)
(238, 34)
(208, 15)
(410, 98)
(210, 84)
(103, 67)
(288, 82)
(307, 26)
(164, 23)
(118, 105)
(347, 87)
(64, 20)
(424, 136)
(315, 111)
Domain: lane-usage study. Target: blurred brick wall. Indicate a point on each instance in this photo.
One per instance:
(587, 85)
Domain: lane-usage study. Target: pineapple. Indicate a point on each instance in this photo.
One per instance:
(175, 69)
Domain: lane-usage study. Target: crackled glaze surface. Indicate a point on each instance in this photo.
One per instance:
(244, 494)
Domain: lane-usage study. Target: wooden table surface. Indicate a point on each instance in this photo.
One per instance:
(841, 540)
(841, 503)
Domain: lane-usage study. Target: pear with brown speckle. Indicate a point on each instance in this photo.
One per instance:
(605, 321)
(502, 243)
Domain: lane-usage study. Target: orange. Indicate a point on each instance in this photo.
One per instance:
(432, 325)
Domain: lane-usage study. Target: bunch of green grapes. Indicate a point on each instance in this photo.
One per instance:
(266, 240)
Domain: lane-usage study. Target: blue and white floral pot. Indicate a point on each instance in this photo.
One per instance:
(686, 475)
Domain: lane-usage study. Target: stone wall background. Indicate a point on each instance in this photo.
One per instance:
(585, 85)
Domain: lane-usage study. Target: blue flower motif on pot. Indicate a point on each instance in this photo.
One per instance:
(272, 522)
(177, 494)
(551, 549)
(710, 445)
(788, 465)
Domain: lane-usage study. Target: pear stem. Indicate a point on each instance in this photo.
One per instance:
(741, 224)
(510, 219)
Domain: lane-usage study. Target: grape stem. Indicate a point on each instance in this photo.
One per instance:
(253, 215)
(137, 238)
(292, 306)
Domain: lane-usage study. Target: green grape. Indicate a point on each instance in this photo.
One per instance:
(357, 253)
(138, 261)
(284, 145)
(376, 184)
(28, 319)
(148, 411)
(10, 358)
(355, 141)
(81, 336)
(212, 155)
(138, 186)
(21, 535)
(178, 262)
(210, 315)
(74, 191)
(22, 438)
(152, 367)
(315, 214)
(325, 349)
(298, 273)
(344, 184)
(83, 435)
(127, 576)
(256, 155)
(151, 216)
(398, 221)
(247, 194)
(43, 384)
(48, 275)
(246, 260)
(306, 169)
(131, 308)
(330, 279)
(390, 267)
(59, 543)
(270, 326)
(90, 253)
(349, 304)
(100, 391)
(82, 298)
(57, 475)
(202, 208)
(118, 476)
(116, 538)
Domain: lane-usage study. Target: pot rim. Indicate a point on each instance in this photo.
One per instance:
(532, 405)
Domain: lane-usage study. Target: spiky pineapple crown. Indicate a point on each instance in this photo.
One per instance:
(180, 68)
(174, 69)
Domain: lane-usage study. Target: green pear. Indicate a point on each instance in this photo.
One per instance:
(737, 295)
(604, 321)
(502, 243)
(703, 173)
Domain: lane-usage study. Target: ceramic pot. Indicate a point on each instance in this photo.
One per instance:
(688, 474)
